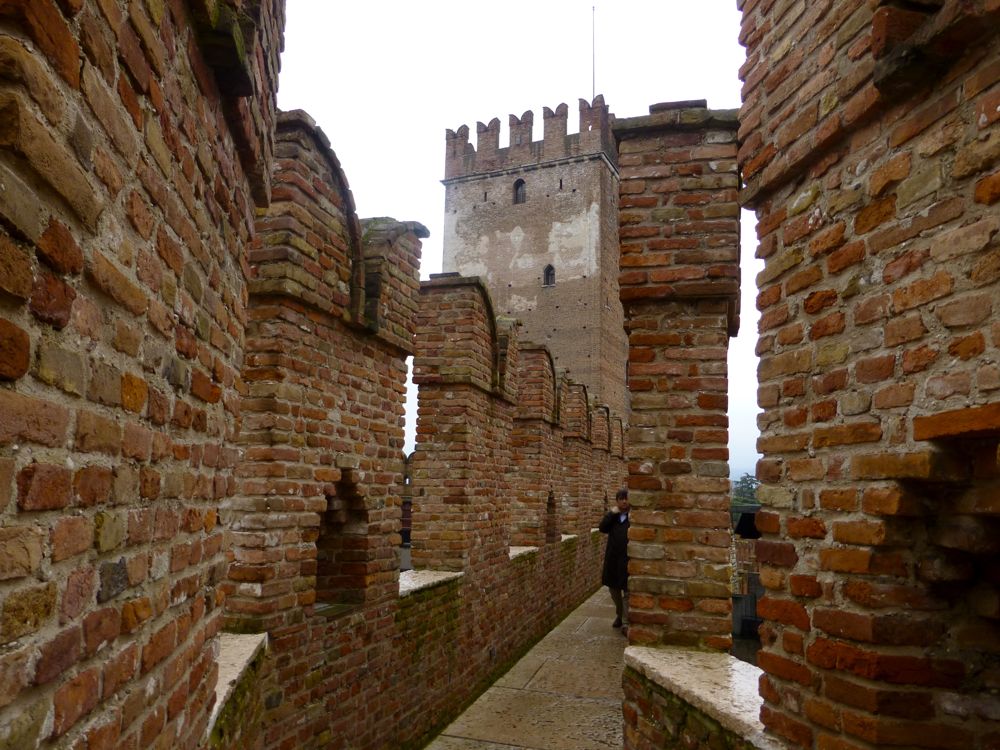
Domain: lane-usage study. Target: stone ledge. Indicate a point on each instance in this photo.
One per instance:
(519, 551)
(237, 653)
(411, 581)
(719, 685)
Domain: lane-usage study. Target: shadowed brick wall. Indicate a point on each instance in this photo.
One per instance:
(870, 146)
(680, 288)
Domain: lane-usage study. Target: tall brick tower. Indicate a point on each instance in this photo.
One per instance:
(538, 222)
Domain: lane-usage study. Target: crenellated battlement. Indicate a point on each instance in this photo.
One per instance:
(462, 159)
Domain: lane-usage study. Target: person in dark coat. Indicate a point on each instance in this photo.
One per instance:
(615, 576)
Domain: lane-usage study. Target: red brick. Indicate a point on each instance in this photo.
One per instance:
(134, 391)
(203, 387)
(52, 299)
(15, 351)
(845, 257)
(922, 291)
(847, 434)
(779, 554)
(875, 369)
(978, 420)
(891, 25)
(15, 268)
(58, 655)
(894, 170)
(96, 433)
(968, 347)
(892, 396)
(816, 301)
(845, 560)
(988, 189)
(159, 647)
(784, 611)
(916, 360)
(70, 536)
(804, 585)
(119, 669)
(116, 284)
(783, 725)
(77, 594)
(92, 485)
(74, 700)
(827, 326)
(799, 528)
(840, 499)
(135, 612)
(59, 249)
(43, 487)
(101, 627)
(53, 36)
(875, 214)
(139, 214)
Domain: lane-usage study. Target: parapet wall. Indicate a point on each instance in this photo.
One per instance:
(594, 137)
(495, 422)
(870, 143)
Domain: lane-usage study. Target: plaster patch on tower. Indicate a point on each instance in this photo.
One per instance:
(518, 303)
(572, 244)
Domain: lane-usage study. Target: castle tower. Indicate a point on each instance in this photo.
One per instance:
(538, 222)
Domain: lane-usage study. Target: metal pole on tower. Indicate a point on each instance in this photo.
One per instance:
(593, 54)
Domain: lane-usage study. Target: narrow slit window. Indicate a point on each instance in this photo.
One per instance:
(549, 276)
(520, 193)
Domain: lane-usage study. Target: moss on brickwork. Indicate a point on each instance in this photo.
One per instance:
(242, 710)
(657, 718)
(24, 729)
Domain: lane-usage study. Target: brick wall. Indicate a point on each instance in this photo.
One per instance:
(680, 288)
(130, 173)
(656, 717)
(202, 353)
(870, 145)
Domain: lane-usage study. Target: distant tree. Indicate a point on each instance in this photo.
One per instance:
(745, 489)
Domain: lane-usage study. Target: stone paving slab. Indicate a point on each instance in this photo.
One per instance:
(564, 694)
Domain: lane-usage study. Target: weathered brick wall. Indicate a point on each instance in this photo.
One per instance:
(201, 413)
(656, 717)
(870, 145)
(129, 174)
(680, 287)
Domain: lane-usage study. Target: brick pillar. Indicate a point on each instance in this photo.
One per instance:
(679, 228)
(464, 422)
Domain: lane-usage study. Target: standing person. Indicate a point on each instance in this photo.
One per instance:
(615, 576)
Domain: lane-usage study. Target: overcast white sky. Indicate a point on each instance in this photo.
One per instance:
(385, 78)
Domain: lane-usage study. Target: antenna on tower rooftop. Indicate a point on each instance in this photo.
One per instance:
(593, 54)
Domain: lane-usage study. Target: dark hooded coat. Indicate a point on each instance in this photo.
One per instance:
(615, 572)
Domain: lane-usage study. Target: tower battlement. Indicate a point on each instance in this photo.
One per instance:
(462, 159)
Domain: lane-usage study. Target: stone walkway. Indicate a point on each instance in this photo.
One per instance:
(564, 694)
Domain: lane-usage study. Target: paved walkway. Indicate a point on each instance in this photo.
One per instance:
(564, 694)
